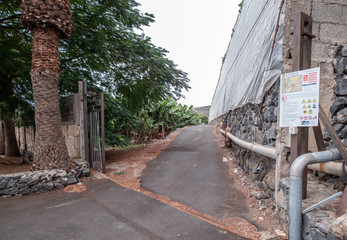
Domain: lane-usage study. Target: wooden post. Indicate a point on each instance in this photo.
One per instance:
(302, 43)
(83, 112)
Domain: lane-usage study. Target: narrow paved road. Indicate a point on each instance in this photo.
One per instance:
(191, 171)
(104, 211)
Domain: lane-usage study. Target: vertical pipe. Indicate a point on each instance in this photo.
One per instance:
(295, 205)
(295, 188)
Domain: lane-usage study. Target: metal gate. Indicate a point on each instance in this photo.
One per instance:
(97, 131)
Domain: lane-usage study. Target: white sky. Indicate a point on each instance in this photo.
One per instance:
(196, 33)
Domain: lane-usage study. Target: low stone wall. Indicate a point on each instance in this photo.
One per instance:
(71, 133)
(41, 181)
(257, 123)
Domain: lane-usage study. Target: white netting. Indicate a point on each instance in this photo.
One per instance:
(249, 68)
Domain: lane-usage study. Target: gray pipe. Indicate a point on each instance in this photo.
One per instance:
(258, 148)
(332, 168)
(296, 175)
(295, 189)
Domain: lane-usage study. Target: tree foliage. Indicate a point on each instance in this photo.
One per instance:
(107, 49)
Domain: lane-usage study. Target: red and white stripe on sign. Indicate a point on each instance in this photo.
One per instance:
(312, 77)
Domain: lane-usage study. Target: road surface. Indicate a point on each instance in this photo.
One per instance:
(190, 171)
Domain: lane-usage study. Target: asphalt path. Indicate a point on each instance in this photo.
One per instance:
(108, 211)
(191, 171)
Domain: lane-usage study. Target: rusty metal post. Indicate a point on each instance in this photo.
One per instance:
(83, 118)
(90, 140)
(103, 133)
(302, 43)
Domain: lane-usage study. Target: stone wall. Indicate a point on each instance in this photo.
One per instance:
(41, 181)
(338, 109)
(257, 123)
(72, 140)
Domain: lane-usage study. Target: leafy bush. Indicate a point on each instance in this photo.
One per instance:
(155, 120)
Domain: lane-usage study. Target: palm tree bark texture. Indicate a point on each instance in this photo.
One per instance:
(49, 21)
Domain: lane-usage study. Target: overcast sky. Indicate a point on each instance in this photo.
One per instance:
(196, 33)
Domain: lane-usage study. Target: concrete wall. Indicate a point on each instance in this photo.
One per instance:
(330, 29)
(25, 137)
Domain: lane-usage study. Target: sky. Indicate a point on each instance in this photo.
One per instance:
(196, 33)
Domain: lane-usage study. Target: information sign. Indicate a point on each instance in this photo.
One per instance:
(299, 98)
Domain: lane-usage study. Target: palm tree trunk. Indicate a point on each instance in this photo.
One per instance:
(50, 148)
(11, 147)
(2, 140)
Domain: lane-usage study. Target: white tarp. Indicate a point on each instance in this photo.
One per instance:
(249, 69)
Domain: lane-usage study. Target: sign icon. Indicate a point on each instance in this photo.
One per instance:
(284, 98)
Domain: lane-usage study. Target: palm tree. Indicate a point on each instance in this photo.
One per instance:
(11, 148)
(49, 21)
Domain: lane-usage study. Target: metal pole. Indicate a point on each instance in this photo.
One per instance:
(302, 42)
(314, 206)
(295, 188)
(103, 133)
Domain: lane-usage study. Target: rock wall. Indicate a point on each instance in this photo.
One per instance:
(41, 181)
(338, 109)
(257, 123)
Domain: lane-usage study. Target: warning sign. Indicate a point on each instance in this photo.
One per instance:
(299, 95)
